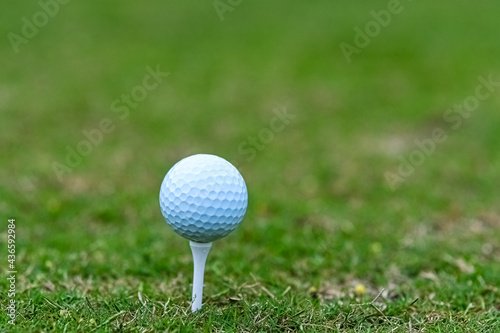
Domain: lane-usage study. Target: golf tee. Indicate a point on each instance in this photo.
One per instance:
(200, 253)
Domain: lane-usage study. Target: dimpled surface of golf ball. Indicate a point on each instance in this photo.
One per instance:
(203, 198)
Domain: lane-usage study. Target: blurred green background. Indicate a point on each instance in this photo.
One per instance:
(322, 217)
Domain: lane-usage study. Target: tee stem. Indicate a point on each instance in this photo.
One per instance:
(200, 253)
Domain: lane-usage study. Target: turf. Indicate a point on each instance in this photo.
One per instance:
(328, 243)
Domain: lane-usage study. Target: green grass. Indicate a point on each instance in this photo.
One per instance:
(326, 243)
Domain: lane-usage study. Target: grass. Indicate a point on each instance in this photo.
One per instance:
(327, 244)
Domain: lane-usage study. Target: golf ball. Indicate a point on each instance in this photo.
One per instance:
(203, 198)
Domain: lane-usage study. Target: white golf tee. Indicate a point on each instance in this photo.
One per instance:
(200, 253)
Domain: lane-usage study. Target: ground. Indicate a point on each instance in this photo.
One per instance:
(367, 133)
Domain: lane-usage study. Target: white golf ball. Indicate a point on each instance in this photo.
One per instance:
(203, 198)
